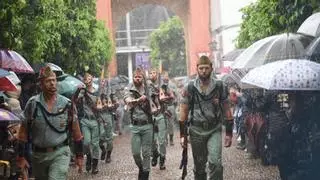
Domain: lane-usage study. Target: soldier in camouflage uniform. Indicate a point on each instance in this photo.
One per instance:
(106, 130)
(141, 123)
(160, 124)
(170, 90)
(87, 106)
(201, 104)
(49, 119)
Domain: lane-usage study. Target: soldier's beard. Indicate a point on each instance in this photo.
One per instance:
(137, 83)
(204, 77)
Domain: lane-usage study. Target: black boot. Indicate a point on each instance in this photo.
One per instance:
(108, 159)
(103, 150)
(95, 166)
(140, 175)
(171, 140)
(145, 175)
(162, 163)
(154, 160)
(88, 162)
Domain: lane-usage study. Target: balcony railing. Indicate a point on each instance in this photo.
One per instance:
(139, 38)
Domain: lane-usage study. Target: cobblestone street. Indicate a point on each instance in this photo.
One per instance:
(236, 166)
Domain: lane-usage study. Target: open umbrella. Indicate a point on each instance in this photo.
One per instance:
(313, 50)
(6, 84)
(11, 60)
(311, 26)
(67, 85)
(55, 68)
(7, 116)
(291, 74)
(4, 73)
(273, 48)
(13, 77)
(232, 55)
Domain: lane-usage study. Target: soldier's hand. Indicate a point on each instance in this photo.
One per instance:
(22, 163)
(182, 143)
(142, 98)
(79, 163)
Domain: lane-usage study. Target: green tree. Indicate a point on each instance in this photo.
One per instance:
(270, 17)
(167, 45)
(11, 20)
(65, 32)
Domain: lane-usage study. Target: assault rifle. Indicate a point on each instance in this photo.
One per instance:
(184, 160)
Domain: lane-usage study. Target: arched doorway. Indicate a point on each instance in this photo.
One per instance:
(133, 37)
(194, 14)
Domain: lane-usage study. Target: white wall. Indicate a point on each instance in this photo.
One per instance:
(228, 13)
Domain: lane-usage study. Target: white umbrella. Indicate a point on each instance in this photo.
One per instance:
(311, 26)
(291, 74)
(273, 48)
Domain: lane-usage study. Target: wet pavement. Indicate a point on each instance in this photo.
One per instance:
(122, 167)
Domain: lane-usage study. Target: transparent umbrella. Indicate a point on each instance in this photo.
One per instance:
(273, 48)
(313, 50)
(311, 26)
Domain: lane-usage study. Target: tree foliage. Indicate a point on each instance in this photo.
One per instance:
(270, 17)
(167, 44)
(64, 32)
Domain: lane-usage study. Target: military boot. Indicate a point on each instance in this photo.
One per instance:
(154, 160)
(140, 175)
(171, 140)
(145, 175)
(108, 159)
(162, 163)
(95, 166)
(103, 150)
(88, 162)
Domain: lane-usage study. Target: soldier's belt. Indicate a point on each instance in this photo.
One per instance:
(140, 123)
(205, 125)
(50, 149)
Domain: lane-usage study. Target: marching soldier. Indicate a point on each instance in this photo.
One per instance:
(49, 119)
(169, 98)
(202, 103)
(87, 106)
(105, 119)
(141, 123)
(160, 125)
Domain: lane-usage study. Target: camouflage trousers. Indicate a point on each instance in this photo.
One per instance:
(172, 120)
(206, 147)
(141, 143)
(51, 165)
(160, 136)
(106, 134)
(91, 136)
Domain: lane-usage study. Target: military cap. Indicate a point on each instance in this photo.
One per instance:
(45, 72)
(204, 60)
(138, 71)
